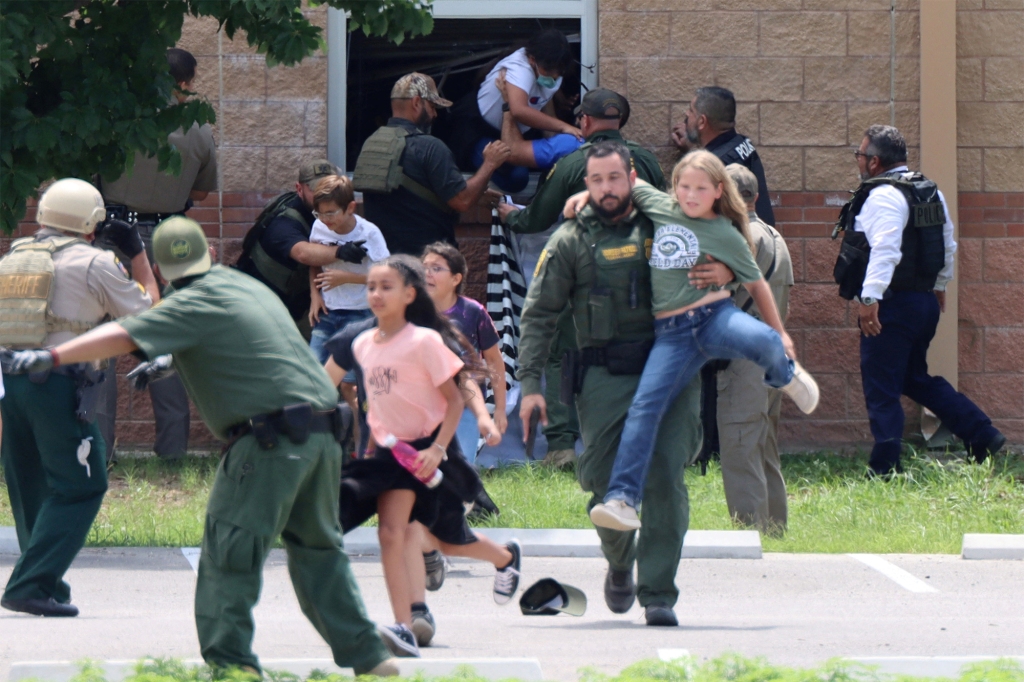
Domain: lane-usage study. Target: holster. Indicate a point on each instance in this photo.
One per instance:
(264, 431)
(295, 422)
(852, 264)
(573, 373)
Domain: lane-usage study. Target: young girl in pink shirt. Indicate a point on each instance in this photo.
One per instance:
(412, 375)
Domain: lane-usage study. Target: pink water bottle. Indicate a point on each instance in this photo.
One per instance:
(406, 456)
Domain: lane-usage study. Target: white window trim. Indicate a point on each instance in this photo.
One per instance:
(337, 57)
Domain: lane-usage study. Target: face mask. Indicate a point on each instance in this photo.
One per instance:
(546, 81)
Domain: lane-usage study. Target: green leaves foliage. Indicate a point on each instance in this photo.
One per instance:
(84, 84)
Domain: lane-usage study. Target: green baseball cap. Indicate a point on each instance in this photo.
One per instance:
(180, 248)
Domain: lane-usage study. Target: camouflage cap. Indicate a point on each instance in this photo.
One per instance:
(606, 104)
(746, 182)
(316, 169)
(180, 248)
(412, 84)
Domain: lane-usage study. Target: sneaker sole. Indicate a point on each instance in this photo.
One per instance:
(600, 516)
(423, 631)
(396, 645)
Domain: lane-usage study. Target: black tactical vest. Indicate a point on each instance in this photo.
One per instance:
(922, 246)
(287, 281)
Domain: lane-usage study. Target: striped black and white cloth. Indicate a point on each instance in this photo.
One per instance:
(506, 290)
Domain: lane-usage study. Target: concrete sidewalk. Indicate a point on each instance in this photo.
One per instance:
(792, 609)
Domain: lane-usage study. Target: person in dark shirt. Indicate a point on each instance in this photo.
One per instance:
(711, 123)
(411, 219)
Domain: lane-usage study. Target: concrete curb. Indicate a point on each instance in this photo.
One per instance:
(9, 540)
(699, 544)
(115, 671)
(926, 666)
(993, 546)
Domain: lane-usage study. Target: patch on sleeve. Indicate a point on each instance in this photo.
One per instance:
(552, 171)
(540, 262)
(120, 266)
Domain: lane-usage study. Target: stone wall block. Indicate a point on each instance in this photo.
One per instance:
(283, 164)
(305, 80)
(672, 79)
(832, 401)
(861, 117)
(970, 257)
(199, 36)
(315, 124)
(649, 124)
(868, 33)
(1004, 169)
(796, 34)
(991, 305)
(243, 168)
(668, 5)
(968, 169)
(820, 258)
(863, 79)
(832, 350)
(1004, 260)
(783, 167)
(989, 34)
(971, 349)
(762, 5)
(633, 34)
(962, 5)
(761, 80)
(729, 34)
(908, 120)
(803, 123)
(207, 80)
(830, 169)
(990, 124)
(815, 305)
(245, 77)
(970, 84)
(283, 121)
(908, 79)
(856, 5)
(998, 395)
(748, 120)
(612, 74)
(1004, 79)
(1004, 350)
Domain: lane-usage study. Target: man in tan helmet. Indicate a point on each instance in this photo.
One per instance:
(53, 287)
(257, 387)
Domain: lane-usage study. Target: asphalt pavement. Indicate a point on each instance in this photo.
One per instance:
(791, 609)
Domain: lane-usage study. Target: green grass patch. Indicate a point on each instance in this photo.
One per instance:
(727, 668)
(833, 508)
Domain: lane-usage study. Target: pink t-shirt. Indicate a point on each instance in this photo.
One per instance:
(401, 378)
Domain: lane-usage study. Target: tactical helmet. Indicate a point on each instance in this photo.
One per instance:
(72, 205)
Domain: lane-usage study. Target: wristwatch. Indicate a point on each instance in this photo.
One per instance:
(867, 300)
(504, 106)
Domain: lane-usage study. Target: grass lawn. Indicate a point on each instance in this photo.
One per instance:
(832, 507)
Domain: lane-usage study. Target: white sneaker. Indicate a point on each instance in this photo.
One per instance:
(802, 389)
(506, 580)
(616, 515)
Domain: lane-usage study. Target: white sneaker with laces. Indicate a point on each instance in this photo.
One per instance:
(615, 514)
(802, 389)
(506, 580)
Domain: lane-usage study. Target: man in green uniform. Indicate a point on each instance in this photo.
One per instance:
(601, 113)
(257, 386)
(598, 263)
(53, 286)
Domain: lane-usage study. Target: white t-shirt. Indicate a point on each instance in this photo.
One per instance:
(1, 385)
(520, 74)
(350, 296)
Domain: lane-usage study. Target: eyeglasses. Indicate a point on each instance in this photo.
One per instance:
(858, 153)
(328, 214)
(435, 269)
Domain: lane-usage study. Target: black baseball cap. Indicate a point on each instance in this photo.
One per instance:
(548, 597)
(606, 104)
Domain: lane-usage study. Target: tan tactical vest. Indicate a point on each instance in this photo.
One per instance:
(379, 169)
(26, 289)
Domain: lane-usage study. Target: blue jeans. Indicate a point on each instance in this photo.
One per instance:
(682, 345)
(468, 435)
(895, 363)
(330, 324)
(507, 178)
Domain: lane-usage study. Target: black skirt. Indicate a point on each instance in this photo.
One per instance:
(442, 509)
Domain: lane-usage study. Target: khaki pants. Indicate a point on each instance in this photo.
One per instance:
(748, 420)
(602, 406)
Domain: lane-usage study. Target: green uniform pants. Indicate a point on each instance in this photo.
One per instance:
(289, 491)
(563, 426)
(748, 422)
(53, 499)
(603, 405)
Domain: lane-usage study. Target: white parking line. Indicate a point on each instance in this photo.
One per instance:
(893, 572)
(191, 555)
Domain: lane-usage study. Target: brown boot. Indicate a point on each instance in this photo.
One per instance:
(560, 459)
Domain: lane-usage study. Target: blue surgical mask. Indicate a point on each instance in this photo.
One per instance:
(546, 81)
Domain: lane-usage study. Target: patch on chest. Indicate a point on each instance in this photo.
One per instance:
(675, 247)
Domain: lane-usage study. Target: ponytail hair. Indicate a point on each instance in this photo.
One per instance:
(731, 204)
(423, 313)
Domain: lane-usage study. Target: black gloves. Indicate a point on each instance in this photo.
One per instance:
(154, 370)
(352, 252)
(124, 236)
(26, 361)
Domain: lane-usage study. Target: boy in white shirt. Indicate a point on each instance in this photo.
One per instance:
(338, 291)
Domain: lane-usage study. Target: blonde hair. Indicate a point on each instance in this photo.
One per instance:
(731, 204)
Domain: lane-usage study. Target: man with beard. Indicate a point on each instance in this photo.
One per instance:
(598, 262)
(711, 123)
(412, 188)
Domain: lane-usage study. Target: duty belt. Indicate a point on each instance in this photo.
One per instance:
(122, 212)
(295, 422)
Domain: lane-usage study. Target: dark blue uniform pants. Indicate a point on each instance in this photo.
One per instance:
(894, 363)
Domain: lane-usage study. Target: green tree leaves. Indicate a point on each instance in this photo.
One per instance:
(84, 84)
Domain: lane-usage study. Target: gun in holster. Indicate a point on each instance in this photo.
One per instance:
(573, 374)
(88, 381)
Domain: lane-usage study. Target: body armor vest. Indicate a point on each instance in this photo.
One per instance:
(283, 278)
(379, 168)
(617, 305)
(26, 290)
(922, 247)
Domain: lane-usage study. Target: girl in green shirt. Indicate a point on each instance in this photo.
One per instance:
(707, 220)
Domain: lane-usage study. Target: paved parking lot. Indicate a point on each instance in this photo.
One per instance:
(792, 609)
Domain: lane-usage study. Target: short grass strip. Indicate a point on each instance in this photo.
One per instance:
(833, 508)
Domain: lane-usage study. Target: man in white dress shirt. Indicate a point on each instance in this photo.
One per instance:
(900, 220)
